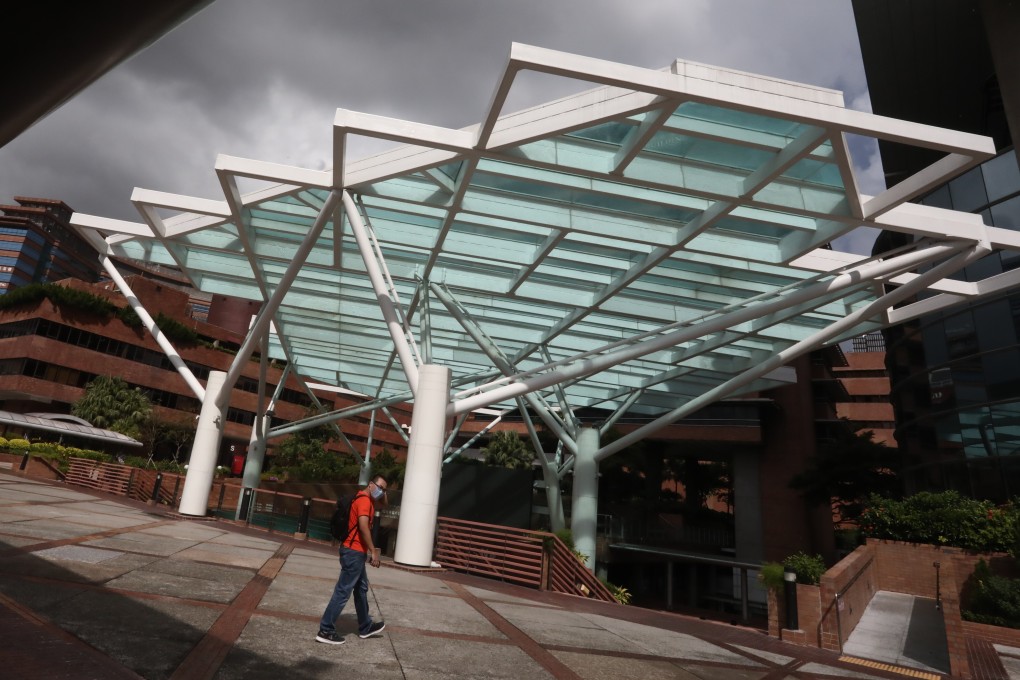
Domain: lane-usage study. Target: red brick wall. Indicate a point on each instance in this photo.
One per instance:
(35, 468)
(853, 579)
(908, 567)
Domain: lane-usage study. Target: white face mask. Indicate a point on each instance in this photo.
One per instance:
(376, 493)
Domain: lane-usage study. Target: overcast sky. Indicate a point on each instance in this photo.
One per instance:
(262, 79)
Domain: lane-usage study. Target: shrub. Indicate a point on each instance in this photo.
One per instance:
(47, 448)
(566, 536)
(771, 575)
(61, 296)
(619, 593)
(945, 518)
(167, 466)
(809, 568)
(991, 599)
(4, 443)
(95, 455)
(175, 330)
(19, 444)
(129, 317)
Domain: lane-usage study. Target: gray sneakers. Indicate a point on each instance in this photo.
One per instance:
(373, 630)
(330, 638)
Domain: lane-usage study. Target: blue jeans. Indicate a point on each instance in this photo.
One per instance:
(353, 580)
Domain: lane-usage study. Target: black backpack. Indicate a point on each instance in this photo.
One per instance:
(339, 524)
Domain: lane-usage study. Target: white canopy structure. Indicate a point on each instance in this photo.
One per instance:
(648, 246)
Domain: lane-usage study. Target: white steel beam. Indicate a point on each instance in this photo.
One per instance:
(153, 328)
(386, 305)
(575, 369)
(809, 344)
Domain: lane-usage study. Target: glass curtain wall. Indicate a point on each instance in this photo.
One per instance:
(956, 374)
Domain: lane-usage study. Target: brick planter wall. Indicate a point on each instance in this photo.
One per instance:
(809, 613)
(37, 467)
(846, 590)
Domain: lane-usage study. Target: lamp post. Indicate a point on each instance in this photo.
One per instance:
(790, 589)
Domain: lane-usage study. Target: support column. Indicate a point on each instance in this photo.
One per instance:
(365, 474)
(205, 450)
(585, 504)
(553, 497)
(256, 455)
(419, 504)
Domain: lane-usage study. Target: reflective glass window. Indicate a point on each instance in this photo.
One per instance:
(1002, 176)
(968, 191)
(960, 335)
(990, 265)
(1010, 259)
(1002, 372)
(992, 332)
(938, 198)
(935, 344)
(1007, 214)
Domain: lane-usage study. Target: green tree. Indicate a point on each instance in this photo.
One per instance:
(111, 404)
(847, 469)
(506, 449)
(386, 464)
(304, 455)
(167, 438)
(298, 447)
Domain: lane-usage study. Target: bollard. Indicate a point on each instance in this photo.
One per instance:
(155, 489)
(790, 589)
(24, 461)
(938, 585)
(246, 495)
(302, 525)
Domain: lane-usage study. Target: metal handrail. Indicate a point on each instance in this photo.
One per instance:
(701, 559)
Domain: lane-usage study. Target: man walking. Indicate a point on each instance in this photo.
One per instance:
(355, 551)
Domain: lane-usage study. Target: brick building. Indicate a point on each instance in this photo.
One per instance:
(48, 354)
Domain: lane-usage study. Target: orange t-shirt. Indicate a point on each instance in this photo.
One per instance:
(361, 505)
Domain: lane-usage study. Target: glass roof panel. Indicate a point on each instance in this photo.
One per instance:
(578, 225)
(707, 151)
(739, 119)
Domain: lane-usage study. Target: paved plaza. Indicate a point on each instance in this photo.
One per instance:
(94, 586)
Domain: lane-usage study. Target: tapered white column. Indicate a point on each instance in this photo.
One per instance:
(585, 503)
(553, 497)
(205, 450)
(420, 498)
(256, 456)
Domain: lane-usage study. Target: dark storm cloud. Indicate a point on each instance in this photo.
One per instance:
(263, 79)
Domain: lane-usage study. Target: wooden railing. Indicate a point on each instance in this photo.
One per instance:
(532, 558)
(138, 483)
(107, 477)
